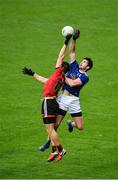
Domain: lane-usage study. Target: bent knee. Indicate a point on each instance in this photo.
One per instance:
(80, 127)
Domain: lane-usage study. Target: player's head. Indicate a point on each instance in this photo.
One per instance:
(65, 67)
(86, 64)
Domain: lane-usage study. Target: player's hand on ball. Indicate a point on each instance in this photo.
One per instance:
(76, 34)
(68, 37)
(27, 71)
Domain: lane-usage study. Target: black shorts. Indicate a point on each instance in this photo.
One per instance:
(50, 109)
(63, 113)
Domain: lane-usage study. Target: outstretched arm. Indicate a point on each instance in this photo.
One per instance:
(35, 75)
(72, 50)
(72, 45)
(40, 78)
(61, 56)
(63, 52)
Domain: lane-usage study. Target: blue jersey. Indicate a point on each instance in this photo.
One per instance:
(75, 73)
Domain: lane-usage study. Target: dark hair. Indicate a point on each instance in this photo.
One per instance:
(90, 62)
(65, 66)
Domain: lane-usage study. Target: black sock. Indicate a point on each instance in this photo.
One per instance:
(53, 149)
(59, 147)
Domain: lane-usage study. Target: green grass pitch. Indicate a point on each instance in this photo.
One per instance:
(30, 35)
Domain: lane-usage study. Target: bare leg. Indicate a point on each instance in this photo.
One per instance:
(77, 123)
(58, 121)
(48, 141)
(52, 134)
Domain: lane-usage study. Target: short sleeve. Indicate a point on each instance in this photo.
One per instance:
(84, 79)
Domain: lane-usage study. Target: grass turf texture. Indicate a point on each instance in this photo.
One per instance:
(30, 36)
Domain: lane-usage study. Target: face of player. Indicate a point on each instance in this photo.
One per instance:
(84, 65)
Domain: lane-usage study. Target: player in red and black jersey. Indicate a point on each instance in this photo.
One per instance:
(50, 106)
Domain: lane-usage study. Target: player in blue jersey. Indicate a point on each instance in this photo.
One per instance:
(69, 100)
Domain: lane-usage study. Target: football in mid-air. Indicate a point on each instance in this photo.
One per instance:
(67, 30)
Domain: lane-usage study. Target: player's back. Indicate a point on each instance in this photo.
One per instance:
(54, 83)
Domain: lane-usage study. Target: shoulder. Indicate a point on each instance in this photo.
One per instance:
(84, 77)
(74, 63)
(58, 70)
